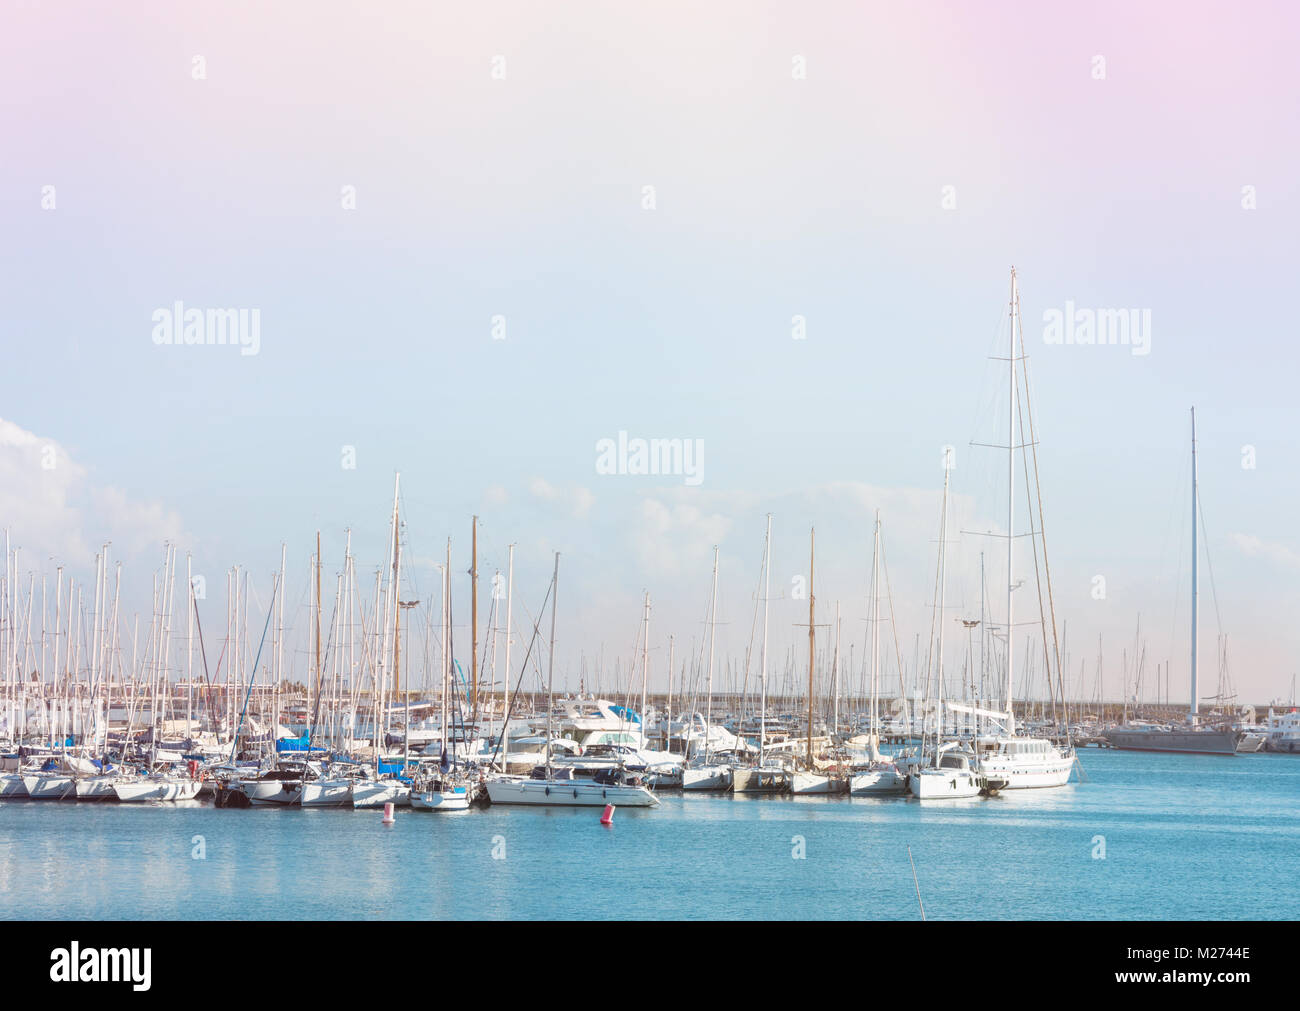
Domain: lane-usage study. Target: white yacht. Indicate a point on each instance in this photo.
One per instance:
(1024, 763)
(951, 777)
(1283, 732)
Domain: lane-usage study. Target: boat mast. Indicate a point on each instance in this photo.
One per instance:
(713, 622)
(505, 713)
(318, 670)
(473, 621)
(1011, 498)
(812, 636)
(875, 642)
(1195, 586)
(767, 585)
(645, 660)
(550, 662)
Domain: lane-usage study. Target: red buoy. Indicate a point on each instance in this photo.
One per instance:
(608, 817)
(388, 814)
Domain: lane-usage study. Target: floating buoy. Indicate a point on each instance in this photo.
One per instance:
(388, 813)
(608, 817)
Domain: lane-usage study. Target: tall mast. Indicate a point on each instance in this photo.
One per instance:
(1011, 498)
(318, 603)
(713, 621)
(875, 641)
(473, 621)
(550, 661)
(767, 584)
(1195, 583)
(645, 660)
(446, 648)
(812, 636)
(505, 713)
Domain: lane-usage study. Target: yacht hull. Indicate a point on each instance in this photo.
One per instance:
(43, 786)
(1187, 742)
(877, 782)
(944, 784)
(708, 777)
(372, 793)
(760, 781)
(452, 799)
(97, 788)
(327, 793)
(142, 790)
(811, 783)
(567, 793)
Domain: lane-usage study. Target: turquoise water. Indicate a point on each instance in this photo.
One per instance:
(1185, 837)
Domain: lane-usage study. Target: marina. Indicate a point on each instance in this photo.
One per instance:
(1185, 837)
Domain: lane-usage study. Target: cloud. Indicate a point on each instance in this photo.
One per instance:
(677, 538)
(1254, 547)
(576, 499)
(53, 510)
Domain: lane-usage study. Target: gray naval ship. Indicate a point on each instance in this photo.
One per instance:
(1189, 740)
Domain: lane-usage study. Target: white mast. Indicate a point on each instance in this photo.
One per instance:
(645, 661)
(505, 714)
(1011, 497)
(762, 676)
(1195, 583)
(875, 642)
(713, 621)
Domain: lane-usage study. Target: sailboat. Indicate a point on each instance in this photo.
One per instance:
(704, 774)
(556, 788)
(380, 787)
(767, 776)
(445, 791)
(1010, 761)
(948, 774)
(1193, 739)
(877, 777)
(811, 779)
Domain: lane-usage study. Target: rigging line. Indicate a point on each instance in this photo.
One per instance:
(505, 722)
(1214, 593)
(893, 625)
(1023, 415)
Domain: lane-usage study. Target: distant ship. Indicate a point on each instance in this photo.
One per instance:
(1191, 739)
(1195, 741)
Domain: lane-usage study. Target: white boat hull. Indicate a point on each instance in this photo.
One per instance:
(377, 793)
(567, 793)
(97, 788)
(812, 783)
(877, 782)
(1028, 777)
(451, 799)
(708, 777)
(327, 793)
(44, 786)
(280, 792)
(12, 786)
(944, 784)
(141, 790)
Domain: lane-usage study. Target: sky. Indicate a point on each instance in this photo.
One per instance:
(478, 240)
